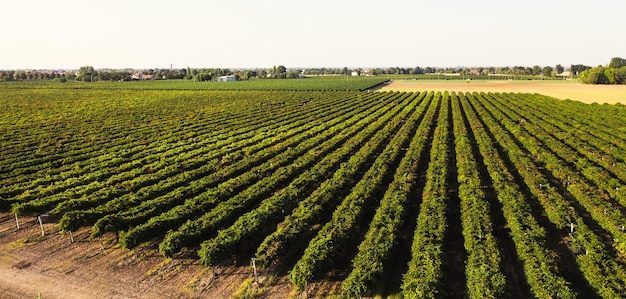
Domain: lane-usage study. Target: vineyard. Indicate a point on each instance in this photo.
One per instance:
(319, 83)
(339, 190)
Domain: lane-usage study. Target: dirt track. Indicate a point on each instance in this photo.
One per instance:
(586, 93)
(56, 268)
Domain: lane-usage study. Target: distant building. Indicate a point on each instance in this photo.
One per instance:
(565, 75)
(141, 76)
(226, 78)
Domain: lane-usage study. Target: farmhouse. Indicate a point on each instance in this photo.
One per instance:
(226, 78)
(565, 75)
(141, 76)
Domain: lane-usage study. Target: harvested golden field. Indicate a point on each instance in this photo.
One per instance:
(609, 94)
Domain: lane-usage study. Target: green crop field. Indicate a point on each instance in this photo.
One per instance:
(325, 83)
(420, 194)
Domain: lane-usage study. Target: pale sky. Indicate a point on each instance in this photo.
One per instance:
(50, 34)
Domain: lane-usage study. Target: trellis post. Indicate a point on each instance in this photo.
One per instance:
(43, 233)
(256, 277)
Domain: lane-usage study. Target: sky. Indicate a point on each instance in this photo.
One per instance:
(67, 34)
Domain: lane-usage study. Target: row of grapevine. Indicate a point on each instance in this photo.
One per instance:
(178, 215)
(313, 83)
(254, 224)
(425, 275)
(195, 183)
(483, 267)
(595, 158)
(610, 215)
(298, 224)
(257, 165)
(113, 133)
(355, 193)
(382, 236)
(597, 265)
(605, 120)
(538, 262)
(218, 149)
(145, 151)
(335, 236)
(194, 232)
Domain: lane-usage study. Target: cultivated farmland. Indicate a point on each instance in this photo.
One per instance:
(343, 192)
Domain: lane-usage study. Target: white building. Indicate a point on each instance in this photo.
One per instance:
(226, 78)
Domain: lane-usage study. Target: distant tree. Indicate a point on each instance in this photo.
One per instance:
(528, 71)
(536, 70)
(279, 72)
(559, 69)
(594, 76)
(612, 75)
(520, 70)
(622, 74)
(86, 73)
(70, 75)
(294, 74)
(617, 62)
(578, 68)
(547, 71)
(245, 75)
(104, 76)
(418, 70)
(204, 75)
(174, 74)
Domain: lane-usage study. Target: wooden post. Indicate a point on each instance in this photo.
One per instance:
(571, 227)
(71, 237)
(101, 243)
(256, 277)
(17, 221)
(43, 233)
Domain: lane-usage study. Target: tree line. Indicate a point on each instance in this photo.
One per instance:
(613, 73)
(90, 74)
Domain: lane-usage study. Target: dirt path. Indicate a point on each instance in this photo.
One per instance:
(56, 268)
(586, 93)
(25, 280)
